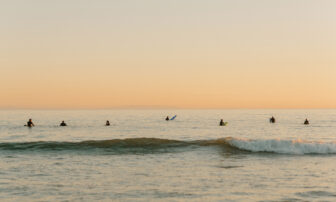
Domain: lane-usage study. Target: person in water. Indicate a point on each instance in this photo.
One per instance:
(306, 122)
(30, 123)
(221, 123)
(63, 124)
(272, 119)
(167, 118)
(107, 123)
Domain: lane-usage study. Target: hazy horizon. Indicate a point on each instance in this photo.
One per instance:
(162, 108)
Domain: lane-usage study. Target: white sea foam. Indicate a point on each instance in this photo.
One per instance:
(284, 146)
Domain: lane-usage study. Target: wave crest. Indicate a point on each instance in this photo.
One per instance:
(145, 145)
(284, 146)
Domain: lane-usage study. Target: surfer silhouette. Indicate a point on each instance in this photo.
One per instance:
(306, 122)
(30, 123)
(272, 119)
(107, 123)
(221, 123)
(167, 118)
(63, 124)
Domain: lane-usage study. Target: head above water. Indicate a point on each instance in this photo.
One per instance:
(63, 124)
(306, 122)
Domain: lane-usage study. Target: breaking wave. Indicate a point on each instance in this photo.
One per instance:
(145, 145)
(285, 146)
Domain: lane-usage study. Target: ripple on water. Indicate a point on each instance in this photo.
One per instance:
(316, 194)
(229, 167)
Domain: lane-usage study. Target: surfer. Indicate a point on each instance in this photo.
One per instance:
(272, 119)
(63, 124)
(167, 118)
(306, 122)
(107, 123)
(30, 123)
(221, 123)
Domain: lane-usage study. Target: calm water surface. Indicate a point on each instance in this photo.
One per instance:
(142, 157)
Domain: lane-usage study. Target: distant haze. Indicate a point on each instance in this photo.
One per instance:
(172, 53)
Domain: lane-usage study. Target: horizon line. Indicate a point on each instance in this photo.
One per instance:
(169, 108)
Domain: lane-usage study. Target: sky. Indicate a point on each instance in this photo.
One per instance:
(70, 54)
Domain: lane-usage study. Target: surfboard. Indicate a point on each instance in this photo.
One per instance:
(224, 124)
(173, 117)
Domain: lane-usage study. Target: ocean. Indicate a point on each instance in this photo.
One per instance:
(142, 157)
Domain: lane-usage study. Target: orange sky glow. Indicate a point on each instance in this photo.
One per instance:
(162, 54)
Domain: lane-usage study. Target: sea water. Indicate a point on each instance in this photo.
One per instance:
(142, 157)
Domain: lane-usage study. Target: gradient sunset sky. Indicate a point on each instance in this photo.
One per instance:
(172, 53)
